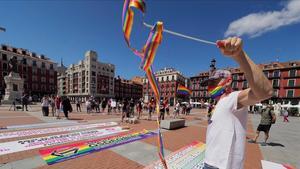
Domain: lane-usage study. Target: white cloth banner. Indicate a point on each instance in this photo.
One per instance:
(271, 165)
(53, 130)
(33, 143)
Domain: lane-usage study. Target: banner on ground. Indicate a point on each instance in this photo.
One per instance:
(271, 165)
(53, 130)
(33, 143)
(62, 153)
(188, 157)
(37, 125)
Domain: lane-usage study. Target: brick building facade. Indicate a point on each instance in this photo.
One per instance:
(38, 71)
(168, 81)
(284, 76)
(128, 89)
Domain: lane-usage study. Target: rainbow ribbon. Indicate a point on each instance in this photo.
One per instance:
(147, 55)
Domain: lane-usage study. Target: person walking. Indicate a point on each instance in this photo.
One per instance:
(125, 109)
(45, 106)
(161, 111)
(24, 100)
(176, 110)
(52, 104)
(78, 105)
(67, 107)
(268, 117)
(285, 115)
(139, 108)
(166, 106)
(88, 106)
(57, 106)
(151, 108)
(226, 133)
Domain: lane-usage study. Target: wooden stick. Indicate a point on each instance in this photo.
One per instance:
(182, 35)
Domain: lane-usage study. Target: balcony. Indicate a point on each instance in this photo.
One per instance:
(292, 87)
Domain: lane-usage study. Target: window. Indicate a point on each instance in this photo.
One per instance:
(51, 66)
(93, 73)
(276, 73)
(34, 71)
(275, 93)
(290, 93)
(34, 63)
(43, 65)
(234, 85)
(162, 79)
(4, 57)
(276, 83)
(291, 83)
(24, 61)
(5, 74)
(292, 73)
(5, 66)
(266, 73)
(173, 77)
(167, 78)
(245, 84)
(235, 77)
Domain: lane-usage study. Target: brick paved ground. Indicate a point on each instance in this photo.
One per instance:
(174, 139)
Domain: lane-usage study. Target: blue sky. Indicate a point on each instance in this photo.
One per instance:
(66, 29)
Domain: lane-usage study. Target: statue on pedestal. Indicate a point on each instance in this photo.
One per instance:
(14, 83)
(13, 64)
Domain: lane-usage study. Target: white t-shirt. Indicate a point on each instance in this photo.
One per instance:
(226, 134)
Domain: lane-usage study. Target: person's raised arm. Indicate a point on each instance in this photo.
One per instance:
(259, 86)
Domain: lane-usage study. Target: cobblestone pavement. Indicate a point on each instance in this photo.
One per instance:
(134, 155)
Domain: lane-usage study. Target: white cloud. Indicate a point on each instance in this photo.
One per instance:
(255, 24)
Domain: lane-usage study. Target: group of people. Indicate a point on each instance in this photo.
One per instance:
(58, 104)
(98, 105)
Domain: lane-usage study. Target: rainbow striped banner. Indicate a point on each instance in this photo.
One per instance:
(188, 157)
(66, 152)
(182, 90)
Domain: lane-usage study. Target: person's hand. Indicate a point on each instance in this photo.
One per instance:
(231, 46)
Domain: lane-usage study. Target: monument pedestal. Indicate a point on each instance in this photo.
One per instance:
(14, 87)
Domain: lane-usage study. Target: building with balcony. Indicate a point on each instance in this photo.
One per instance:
(284, 76)
(168, 80)
(128, 89)
(89, 77)
(38, 71)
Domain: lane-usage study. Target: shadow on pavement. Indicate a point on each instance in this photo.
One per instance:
(275, 144)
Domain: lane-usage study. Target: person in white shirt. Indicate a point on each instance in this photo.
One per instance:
(226, 132)
(45, 106)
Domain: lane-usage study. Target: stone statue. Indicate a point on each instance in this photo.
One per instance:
(13, 64)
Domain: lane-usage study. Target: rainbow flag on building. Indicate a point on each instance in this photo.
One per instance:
(182, 90)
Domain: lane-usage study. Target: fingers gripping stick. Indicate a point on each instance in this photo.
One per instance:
(220, 44)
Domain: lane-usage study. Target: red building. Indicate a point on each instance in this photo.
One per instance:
(38, 71)
(128, 89)
(168, 81)
(284, 76)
